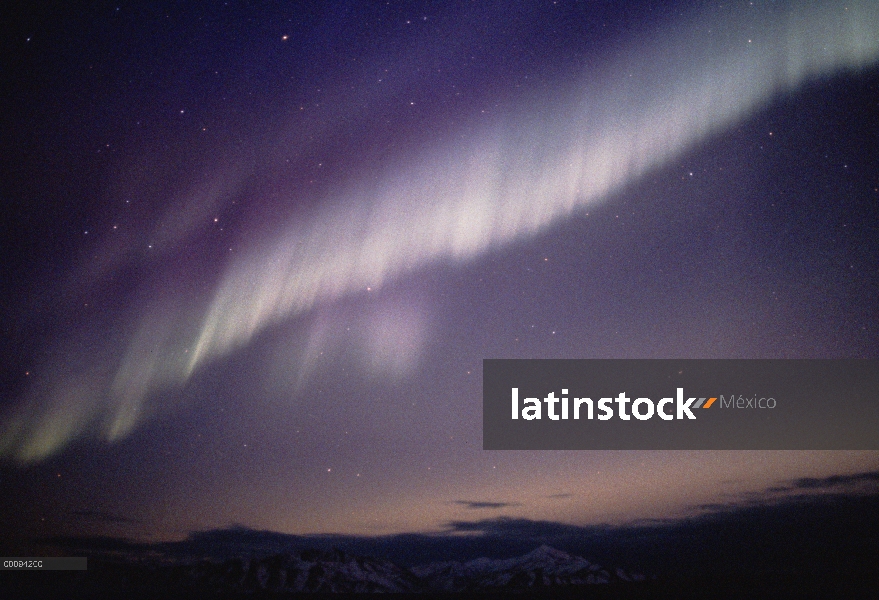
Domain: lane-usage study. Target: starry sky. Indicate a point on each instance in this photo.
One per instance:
(255, 254)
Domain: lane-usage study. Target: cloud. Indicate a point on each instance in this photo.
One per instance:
(835, 482)
(474, 504)
(804, 488)
(519, 528)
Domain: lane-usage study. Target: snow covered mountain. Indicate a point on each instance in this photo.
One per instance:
(337, 571)
(330, 571)
(542, 567)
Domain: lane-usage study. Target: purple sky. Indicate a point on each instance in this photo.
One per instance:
(254, 257)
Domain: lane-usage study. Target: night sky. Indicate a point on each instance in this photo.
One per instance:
(254, 254)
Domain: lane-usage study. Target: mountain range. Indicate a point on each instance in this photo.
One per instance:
(544, 569)
(335, 571)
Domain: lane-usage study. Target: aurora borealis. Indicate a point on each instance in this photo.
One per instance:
(256, 255)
